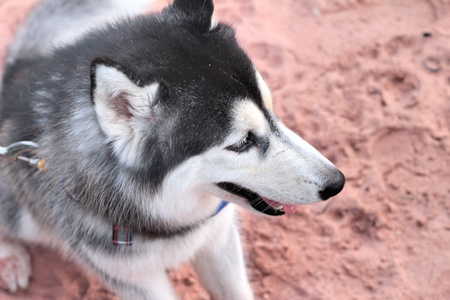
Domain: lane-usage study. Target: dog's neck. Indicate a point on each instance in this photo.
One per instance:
(123, 229)
(123, 236)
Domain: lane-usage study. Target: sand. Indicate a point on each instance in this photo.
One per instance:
(367, 82)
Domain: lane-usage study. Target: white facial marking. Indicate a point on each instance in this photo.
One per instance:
(290, 172)
(248, 117)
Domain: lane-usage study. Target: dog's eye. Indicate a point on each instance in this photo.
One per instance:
(244, 144)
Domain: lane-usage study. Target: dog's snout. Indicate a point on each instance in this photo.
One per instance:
(334, 186)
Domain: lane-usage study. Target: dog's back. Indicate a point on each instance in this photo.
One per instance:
(54, 24)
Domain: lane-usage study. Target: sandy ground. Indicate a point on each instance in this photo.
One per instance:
(367, 82)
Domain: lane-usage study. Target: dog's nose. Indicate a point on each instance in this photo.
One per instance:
(334, 186)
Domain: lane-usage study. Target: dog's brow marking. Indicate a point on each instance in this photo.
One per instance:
(249, 116)
(265, 91)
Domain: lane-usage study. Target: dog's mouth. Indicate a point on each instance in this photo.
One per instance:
(265, 205)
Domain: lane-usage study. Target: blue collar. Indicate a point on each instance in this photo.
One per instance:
(222, 205)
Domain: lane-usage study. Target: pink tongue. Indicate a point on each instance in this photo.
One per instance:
(287, 208)
(290, 209)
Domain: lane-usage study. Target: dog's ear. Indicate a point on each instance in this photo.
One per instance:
(197, 13)
(123, 105)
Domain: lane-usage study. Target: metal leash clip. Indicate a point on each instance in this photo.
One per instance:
(13, 153)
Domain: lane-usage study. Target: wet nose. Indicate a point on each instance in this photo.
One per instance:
(334, 186)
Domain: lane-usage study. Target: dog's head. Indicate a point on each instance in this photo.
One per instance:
(183, 106)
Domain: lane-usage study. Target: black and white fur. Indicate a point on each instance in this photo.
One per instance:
(148, 121)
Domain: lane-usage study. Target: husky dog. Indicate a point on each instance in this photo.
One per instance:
(147, 123)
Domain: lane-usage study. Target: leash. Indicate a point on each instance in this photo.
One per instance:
(122, 236)
(14, 153)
